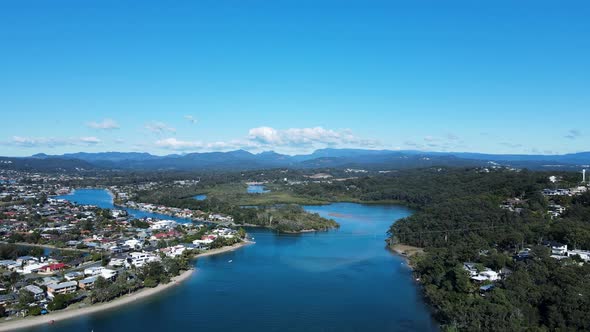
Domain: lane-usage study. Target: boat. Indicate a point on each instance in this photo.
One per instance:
(231, 260)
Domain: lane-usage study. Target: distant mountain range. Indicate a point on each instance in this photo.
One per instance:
(324, 158)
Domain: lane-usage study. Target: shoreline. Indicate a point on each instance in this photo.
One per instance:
(217, 251)
(74, 312)
(71, 312)
(405, 252)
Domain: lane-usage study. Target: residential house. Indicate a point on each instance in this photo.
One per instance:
(87, 283)
(37, 291)
(73, 275)
(67, 287)
(93, 271)
(139, 259)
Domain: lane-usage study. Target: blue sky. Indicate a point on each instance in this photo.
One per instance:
(292, 76)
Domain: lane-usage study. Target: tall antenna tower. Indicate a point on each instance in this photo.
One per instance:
(584, 175)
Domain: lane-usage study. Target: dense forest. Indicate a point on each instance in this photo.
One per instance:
(458, 219)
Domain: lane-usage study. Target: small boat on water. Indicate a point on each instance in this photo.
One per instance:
(231, 260)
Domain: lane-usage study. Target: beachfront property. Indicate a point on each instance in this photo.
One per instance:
(66, 287)
(87, 283)
(38, 292)
(139, 259)
(174, 251)
(100, 271)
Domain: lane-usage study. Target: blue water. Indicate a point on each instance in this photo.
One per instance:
(201, 197)
(103, 199)
(256, 189)
(341, 280)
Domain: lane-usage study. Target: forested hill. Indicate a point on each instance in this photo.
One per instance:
(459, 219)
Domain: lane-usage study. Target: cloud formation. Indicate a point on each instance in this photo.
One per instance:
(182, 145)
(90, 140)
(261, 138)
(106, 124)
(306, 137)
(159, 127)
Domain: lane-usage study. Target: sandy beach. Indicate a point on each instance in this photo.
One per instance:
(74, 311)
(406, 250)
(224, 249)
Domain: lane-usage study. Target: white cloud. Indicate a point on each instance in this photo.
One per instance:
(175, 144)
(106, 124)
(90, 140)
(264, 138)
(265, 135)
(159, 127)
(191, 119)
(180, 145)
(307, 137)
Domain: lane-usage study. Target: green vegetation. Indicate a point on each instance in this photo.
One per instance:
(293, 218)
(460, 220)
(285, 218)
(60, 301)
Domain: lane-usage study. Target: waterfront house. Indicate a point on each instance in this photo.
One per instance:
(67, 287)
(37, 292)
(87, 283)
(139, 259)
(203, 243)
(108, 274)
